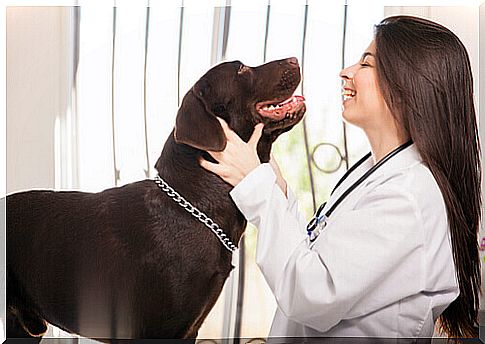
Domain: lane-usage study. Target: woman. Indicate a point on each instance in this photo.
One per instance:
(398, 249)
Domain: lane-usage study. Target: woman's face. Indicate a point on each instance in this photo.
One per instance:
(363, 103)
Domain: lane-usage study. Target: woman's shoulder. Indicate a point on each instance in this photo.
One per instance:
(414, 180)
(408, 174)
(415, 185)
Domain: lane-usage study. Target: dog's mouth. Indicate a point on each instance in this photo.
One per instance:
(282, 113)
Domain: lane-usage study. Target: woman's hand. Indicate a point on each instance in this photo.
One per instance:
(238, 158)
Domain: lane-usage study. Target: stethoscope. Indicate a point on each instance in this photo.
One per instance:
(319, 220)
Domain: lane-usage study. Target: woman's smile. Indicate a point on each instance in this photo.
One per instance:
(348, 94)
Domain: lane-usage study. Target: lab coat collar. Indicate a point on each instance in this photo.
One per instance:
(409, 156)
(404, 159)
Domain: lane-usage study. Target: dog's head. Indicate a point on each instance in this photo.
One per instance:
(243, 96)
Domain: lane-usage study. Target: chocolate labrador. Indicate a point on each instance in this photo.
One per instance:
(130, 262)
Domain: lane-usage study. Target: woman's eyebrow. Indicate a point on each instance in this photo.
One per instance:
(367, 53)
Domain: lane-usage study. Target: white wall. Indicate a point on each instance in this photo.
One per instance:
(37, 92)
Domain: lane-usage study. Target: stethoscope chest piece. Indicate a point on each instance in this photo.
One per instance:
(317, 224)
(322, 223)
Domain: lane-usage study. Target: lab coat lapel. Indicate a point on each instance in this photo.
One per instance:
(403, 159)
(348, 182)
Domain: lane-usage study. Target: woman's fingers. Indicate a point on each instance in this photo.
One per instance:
(230, 134)
(238, 159)
(229, 176)
(216, 155)
(210, 166)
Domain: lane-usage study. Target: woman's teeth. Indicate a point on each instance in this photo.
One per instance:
(347, 94)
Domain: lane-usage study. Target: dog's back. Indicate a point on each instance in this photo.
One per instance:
(63, 247)
(83, 261)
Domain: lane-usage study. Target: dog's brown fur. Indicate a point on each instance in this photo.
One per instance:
(128, 262)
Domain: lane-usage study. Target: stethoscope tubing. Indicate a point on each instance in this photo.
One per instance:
(318, 218)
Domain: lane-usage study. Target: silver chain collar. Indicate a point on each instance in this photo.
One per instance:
(214, 227)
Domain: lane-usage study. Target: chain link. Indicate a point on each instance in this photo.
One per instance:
(214, 227)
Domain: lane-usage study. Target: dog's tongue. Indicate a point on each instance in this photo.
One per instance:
(278, 112)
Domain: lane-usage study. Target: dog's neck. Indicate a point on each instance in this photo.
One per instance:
(182, 157)
(179, 166)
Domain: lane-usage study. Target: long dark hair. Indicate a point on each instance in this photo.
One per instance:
(425, 77)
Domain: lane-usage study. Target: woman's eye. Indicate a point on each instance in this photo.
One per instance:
(365, 63)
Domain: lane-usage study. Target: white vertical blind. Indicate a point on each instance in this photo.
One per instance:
(196, 44)
(129, 57)
(194, 36)
(246, 32)
(323, 49)
(96, 148)
(285, 32)
(360, 32)
(161, 76)
(94, 129)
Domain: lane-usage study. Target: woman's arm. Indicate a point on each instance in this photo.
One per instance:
(365, 259)
(279, 177)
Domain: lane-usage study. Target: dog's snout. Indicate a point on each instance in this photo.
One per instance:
(292, 61)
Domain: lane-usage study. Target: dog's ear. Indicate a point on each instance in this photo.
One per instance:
(198, 128)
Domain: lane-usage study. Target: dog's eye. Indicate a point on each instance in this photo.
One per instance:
(242, 69)
(219, 109)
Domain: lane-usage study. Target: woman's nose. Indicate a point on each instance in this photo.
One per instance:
(346, 73)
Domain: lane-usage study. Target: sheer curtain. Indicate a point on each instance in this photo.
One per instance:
(138, 58)
(133, 61)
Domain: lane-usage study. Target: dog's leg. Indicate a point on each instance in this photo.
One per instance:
(15, 329)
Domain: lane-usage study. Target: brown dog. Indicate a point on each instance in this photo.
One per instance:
(129, 262)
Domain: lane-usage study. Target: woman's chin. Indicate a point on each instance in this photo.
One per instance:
(351, 118)
(346, 115)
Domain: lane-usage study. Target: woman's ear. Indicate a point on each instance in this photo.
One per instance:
(196, 127)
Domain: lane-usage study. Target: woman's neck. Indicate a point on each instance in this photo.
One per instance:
(382, 143)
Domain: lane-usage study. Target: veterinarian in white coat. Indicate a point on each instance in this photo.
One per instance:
(380, 263)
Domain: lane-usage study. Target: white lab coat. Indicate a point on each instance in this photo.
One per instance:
(382, 267)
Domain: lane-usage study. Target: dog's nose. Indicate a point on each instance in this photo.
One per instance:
(293, 61)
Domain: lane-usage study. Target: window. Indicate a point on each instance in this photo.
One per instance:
(136, 64)
(133, 61)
